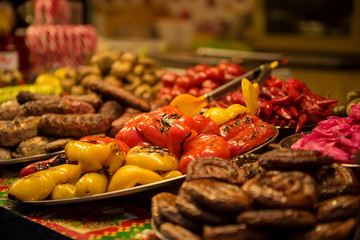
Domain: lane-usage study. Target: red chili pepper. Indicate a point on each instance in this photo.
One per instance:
(106, 140)
(283, 123)
(42, 165)
(266, 109)
(292, 123)
(283, 113)
(295, 84)
(294, 112)
(274, 120)
(275, 82)
(327, 103)
(281, 100)
(301, 122)
(312, 118)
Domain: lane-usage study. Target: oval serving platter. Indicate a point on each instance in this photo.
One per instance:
(132, 190)
(30, 158)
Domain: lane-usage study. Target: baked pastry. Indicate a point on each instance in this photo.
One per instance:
(330, 230)
(340, 207)
(281, 218)
(335, 180)
(177, 232)
(219, 196)
(235, 232)
(293, 159)
(188, 207)
(275, 189)
(163, 209)
(215, 168)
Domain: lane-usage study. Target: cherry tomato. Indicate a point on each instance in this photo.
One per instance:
(233, 70)
(184, 82)
(195, 91)
(190, 71)
(210, 84)
(204, 145)
(177, 91)
(199, 78)
(205, 91)
(169, 78)
(201, 67)
(216, 74)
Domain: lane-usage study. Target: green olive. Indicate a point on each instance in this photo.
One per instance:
(353, 102)
(352, 95)
(339, 111)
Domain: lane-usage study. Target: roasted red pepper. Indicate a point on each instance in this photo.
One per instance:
(204, 145)
(186, 128)
(129, 133)
(106, 140)
(42, 165)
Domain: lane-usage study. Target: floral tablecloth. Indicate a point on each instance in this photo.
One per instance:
(126, 217)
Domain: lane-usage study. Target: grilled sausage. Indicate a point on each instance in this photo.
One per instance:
(91, 98)
(74, 125)
(9, 110)
(112, 110)
(18, 130)
(32, 146)
(59, 106)
(119, 94)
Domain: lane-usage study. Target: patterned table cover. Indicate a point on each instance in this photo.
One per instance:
(126, 217)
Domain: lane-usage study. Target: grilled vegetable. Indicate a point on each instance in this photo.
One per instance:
(95, 157)
(153, 158)
(222, 115)
(130, 175)
(42, 165)
(90, 184)
(39, 185)
(63, 191)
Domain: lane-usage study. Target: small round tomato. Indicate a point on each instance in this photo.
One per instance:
(169, 78)
(184, 82)
(210, 84)
(190, 71)
(216, 74)
(195, 91)
(177, 91)
(201, 67)
(199, 78)
(205, 91)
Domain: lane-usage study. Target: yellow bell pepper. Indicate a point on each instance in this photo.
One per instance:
(222, 115)
(95, 157)
(90, 184)
(63, 191)
(130, 175)
(171, 174)
(39, 185)
(251, 94)
(152, 158)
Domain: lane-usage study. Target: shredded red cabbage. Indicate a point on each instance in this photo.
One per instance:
(337, 137)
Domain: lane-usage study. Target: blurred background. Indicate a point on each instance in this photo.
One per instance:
(318, 40)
